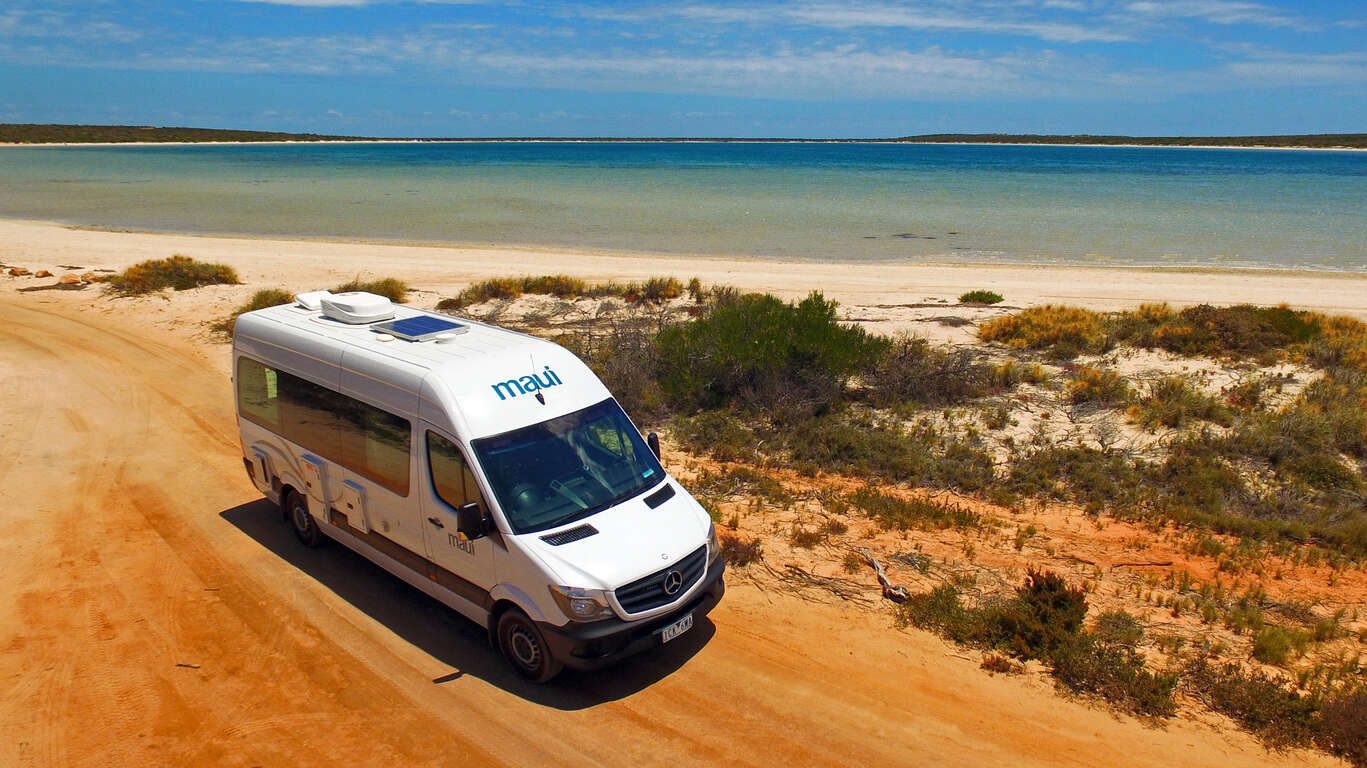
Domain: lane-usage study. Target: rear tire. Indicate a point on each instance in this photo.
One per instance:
(522, 645)
(301, 522)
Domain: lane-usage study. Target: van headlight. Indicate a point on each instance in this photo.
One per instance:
(713, 545)
(581, 604)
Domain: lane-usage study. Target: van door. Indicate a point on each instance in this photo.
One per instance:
(376, 500)
(466, 567)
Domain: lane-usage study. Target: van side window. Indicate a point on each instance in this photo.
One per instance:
(258, 393)
(365, 439)
(375, 443)
(452, 479)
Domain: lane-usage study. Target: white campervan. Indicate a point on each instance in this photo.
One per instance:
(490, 469)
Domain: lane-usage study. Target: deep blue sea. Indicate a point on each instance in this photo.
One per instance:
(825, 202)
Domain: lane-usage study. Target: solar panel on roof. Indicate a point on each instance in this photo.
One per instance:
(419, 328)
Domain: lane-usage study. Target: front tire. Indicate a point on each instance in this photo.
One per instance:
(522, 645)
(301, 522)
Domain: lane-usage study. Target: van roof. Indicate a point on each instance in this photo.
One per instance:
(484, 378)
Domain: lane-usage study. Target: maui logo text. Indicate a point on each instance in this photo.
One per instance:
(526, 384)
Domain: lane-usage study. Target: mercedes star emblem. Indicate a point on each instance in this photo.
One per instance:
(673, 582)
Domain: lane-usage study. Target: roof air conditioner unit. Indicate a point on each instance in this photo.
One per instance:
(356, 307)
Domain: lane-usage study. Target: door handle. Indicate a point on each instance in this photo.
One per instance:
(435, 521)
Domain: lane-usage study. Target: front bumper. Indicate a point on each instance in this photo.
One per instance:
(602, 643)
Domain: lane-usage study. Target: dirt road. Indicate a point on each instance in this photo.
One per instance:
(154, 610)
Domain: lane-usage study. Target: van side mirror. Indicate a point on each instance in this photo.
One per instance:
(653, 440)
(471, 523)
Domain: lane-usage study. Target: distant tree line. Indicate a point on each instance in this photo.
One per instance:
(27, 133)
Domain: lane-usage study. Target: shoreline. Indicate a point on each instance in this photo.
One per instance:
(65, 144)
(522, 248)
(888, 297)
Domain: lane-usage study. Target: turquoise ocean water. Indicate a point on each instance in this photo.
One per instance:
(827, 202)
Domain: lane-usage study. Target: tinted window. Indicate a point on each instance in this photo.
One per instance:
(452, 479)
(367, 440)
(258, 393)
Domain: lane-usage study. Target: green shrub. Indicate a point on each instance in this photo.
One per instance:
(791, 360)
(623, 356)
(1063, 331)
(178, 272)
(1086, 665)
(1118, 628)
(1277, 716)
(391, 288)
(660, 289)
(1235, 331)
(1172, 402)
(941, 611)
(1046, 615)
(1084, 475)
(266, 297)
(721, 434)
(1273, 645)
(740, 551)
(912, 371)
(1097, 385)
(1343, 726)
(908, 514)
(981, 297)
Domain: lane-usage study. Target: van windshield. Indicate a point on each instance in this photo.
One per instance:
(568, 467)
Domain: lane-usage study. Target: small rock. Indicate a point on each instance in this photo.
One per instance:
(19, 272)
(42, 273)
(89, 277)
(70, 278)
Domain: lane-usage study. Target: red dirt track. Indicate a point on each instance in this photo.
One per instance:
(155, 610)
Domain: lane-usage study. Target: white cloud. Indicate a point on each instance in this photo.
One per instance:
(1225, 12)
(845, 16)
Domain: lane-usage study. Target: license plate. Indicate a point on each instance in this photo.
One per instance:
(677, 628)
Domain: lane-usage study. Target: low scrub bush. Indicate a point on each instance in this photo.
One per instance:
(1118, 628)
(1235, 331)
(981, 297)
(1046, 615)
(1099, 386)
(1264, 706)
(1343, 725)
(910, 514)
(1172, 402)
(1085, 664)
(391, 288)
(1064, 332)
(913, 371)
(661, 289)
(1072, 473)
(178, 272)
(721, 434)
(792, 360)
(623, 356)
(266, 297)
(742, 481)
(740, 550)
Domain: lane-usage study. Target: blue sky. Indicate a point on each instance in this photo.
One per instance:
(810, 69)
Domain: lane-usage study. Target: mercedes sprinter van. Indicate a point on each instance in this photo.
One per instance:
(490, 469)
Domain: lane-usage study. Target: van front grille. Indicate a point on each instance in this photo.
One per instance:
(654, 591)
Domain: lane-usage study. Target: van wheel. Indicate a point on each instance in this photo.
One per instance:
(301, 522)
(522, 645)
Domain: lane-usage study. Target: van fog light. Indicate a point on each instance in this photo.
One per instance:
(581, 604)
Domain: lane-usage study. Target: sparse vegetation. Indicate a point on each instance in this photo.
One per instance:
(391, 288)
(266, 297)
(909, 514)
(178, 272)
(981, 297)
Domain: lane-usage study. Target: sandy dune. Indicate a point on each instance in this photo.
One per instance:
(154, 610)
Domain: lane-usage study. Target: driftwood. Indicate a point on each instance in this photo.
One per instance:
(896, 594)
